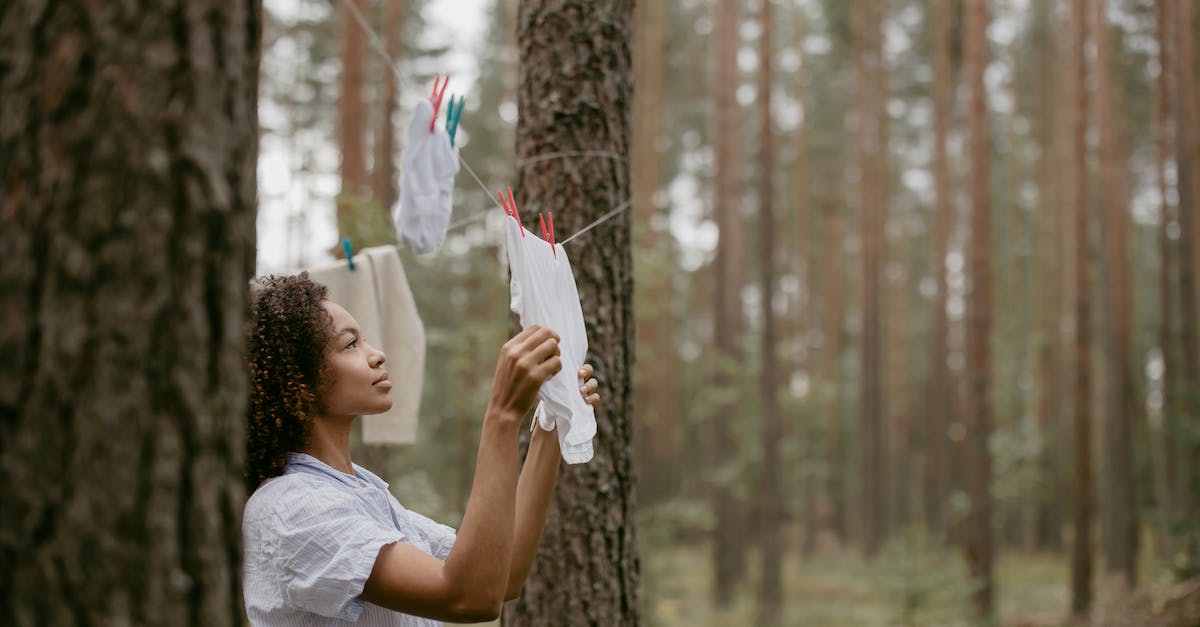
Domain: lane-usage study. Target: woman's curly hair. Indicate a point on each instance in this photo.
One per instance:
(288, 333)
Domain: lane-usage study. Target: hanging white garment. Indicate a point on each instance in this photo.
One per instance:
(427, 168)
(376, 293)
(544, 293)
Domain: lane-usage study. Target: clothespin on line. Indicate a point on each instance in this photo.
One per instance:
(510, 209)
(349, 252)
(436, 99)
(453, 113)
(548, 234)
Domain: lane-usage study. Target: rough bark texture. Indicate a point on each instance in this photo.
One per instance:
(770, 593)
(979, 315)
(868, 60)
(1118, 508)
(728, 543)
(1081, 550)
(127, 190)
(575, 94)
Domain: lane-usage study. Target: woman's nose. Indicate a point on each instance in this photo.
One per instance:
(377, 357)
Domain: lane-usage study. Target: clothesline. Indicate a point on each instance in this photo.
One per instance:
(380, 49)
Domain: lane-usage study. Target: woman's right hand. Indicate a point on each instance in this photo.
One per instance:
(526, 362)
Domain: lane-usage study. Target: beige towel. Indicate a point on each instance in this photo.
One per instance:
(376, 293)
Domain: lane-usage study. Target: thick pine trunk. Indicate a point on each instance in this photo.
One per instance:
(1119, 505)
(868, 61)
(127, 188)
(728, 549)
(770, 594)
(575, 93)
(979, 315)
(1081, 550)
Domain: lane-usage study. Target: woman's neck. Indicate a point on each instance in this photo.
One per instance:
(329, 442)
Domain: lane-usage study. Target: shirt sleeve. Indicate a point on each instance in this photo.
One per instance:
(440, 537)
(327, 546)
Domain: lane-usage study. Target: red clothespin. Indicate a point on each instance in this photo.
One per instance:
(552, 248)
(510, 209)
(436, 99)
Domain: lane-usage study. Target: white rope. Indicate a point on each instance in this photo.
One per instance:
(380, 49)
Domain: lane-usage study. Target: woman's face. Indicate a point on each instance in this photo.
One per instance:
(358, 385)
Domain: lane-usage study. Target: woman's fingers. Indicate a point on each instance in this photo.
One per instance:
(585, 371)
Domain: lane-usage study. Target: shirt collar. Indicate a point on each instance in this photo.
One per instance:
(303, 462)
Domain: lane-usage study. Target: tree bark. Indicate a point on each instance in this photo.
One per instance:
(770, 593)
(656, 441)
(127, 188)
(728, 544)
(867, 24)
(575, 93)
(979, 315)
(1165, 459)
(1081, 550)
(1184, 111)
(938, 401)
(1119, 505)
(352, 113)
(385, 181)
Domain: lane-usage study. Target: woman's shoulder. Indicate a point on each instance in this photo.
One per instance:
(295, 492)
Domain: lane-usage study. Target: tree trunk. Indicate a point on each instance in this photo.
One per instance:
(867, 64)
(1165, 459)
(128, 190)
(770, 594)
(1119, 506)
(1081, 555)
(938, 391)
(575, 94)
(656, 423)
(384, 175)
(1186, 164)
(979, 315)
(1052, 226)
(729, 553)
(352, 114)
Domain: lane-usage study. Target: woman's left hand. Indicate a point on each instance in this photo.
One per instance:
(589, 387)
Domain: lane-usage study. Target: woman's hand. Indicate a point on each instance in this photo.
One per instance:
(526, 362)
(589, 387)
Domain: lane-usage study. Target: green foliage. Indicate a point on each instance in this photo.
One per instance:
(925, 582)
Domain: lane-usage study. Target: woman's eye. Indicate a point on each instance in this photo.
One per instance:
(352, 344)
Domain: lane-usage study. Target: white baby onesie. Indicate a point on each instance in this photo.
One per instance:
(544, 293)
(427, 168)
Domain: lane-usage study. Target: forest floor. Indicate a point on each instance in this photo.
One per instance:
(910, 584)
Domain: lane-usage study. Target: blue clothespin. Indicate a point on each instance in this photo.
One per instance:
(349, 252)
(453, 113)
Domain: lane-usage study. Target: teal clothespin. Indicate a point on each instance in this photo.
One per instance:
(453, 113)
(349, 252)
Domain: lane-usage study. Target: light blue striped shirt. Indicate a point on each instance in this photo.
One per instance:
(311, 537)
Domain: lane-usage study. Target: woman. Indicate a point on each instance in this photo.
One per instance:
(325, 542)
